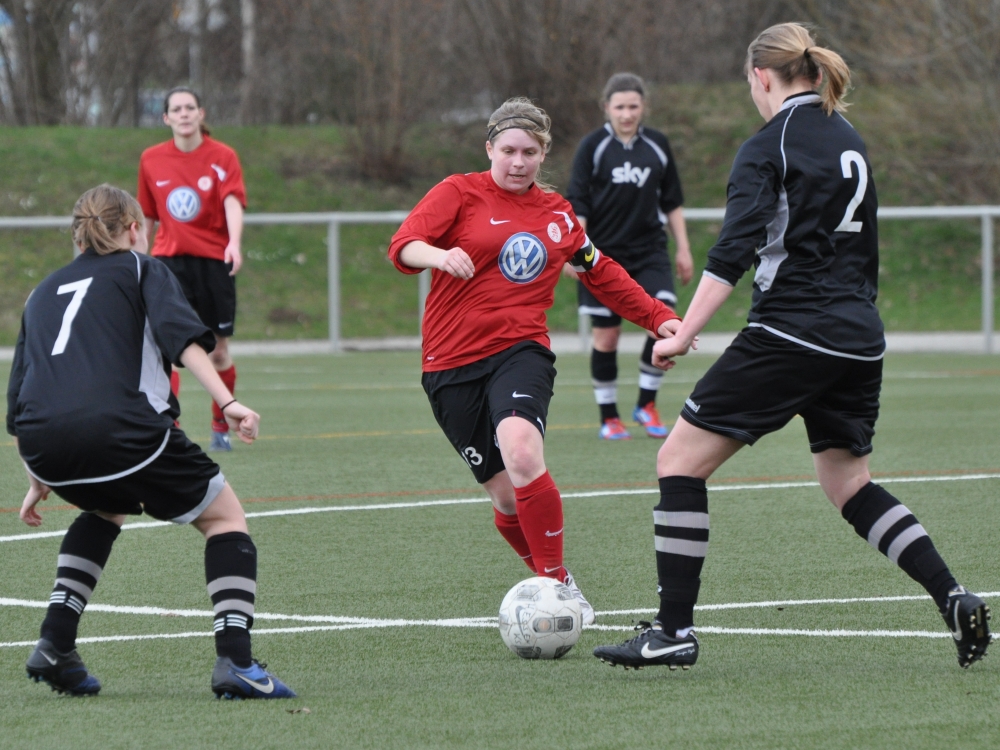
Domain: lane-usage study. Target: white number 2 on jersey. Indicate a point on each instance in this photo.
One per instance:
(846, 158)
(79, 289)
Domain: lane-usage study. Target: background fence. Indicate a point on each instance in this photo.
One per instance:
(334, 221)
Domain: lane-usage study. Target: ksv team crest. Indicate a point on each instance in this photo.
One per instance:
(523, 258)
(183, 204)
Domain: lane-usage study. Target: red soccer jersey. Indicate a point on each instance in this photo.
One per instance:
(185, 193)
(518, 244)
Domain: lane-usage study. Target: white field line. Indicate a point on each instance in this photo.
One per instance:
(356, 623)
(483, 499)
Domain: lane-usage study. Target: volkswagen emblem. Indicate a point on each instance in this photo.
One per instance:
(183, 204)
(523, 258)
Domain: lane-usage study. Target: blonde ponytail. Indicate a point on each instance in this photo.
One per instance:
(101, 215)
(791, 52)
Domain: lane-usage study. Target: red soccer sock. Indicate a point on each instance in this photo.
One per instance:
(175, 383)
(510, 529)
(540, 514)
(218, 420)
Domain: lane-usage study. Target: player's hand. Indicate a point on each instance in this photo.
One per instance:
(569, 273)
(457, 263)
(245, 422)
(36, 493)
(666, 349)
(234, 256)
(668, 328)
(685, 264)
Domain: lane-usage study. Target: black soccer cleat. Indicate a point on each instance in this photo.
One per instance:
(65, 673)
(968, 618)
(651, 647)
(235, 683)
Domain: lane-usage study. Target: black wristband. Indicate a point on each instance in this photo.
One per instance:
(223, 408)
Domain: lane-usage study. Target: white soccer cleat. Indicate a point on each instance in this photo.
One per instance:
(587, 614)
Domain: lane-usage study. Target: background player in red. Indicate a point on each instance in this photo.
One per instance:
(193, 186)
(497, 241)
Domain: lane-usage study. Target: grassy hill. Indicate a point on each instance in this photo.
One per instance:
(929, 273)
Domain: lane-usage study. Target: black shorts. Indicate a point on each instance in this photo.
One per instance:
(651, 270)
(762, 381)
(209, 288)
(469, 401)
(175, 486)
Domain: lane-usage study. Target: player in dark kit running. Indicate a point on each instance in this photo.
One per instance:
(90, 409)
(193, 186)
(625, 189)
(497, 242)
(802, 208)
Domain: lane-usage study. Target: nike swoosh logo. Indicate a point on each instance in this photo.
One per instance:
(49, 659)
(553, 533)
(589, 256)
(553, 570)
(161, 183)
(652, 653)
(494, 221)
(515, 394)
(266, 688)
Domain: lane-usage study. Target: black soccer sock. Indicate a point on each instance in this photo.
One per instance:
(604, 372)
(650, 377)
(231, 576)
(680, 523)
(892, 529)
(82, 556)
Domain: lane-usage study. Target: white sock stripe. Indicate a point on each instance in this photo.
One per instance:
(684, 519)
(80, 563)
(606, 394)
(233, 604)
(684, 547)
(650, 382)
(76, 604)
(232, 582)
(904, 540)
(78, 587)
(886, 522)
(57, 597)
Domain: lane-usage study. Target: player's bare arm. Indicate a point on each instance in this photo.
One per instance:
(682, 256)
(456, 261)
(242, 419)
(234, 223)
(708, 298)
(36, 493)
(149, 227)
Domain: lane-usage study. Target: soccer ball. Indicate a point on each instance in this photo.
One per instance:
(540, 619)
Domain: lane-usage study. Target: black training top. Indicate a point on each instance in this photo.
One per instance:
(801, 207)
(625, 191)
(89, 392)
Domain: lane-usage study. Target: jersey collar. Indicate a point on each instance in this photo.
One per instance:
(627, 145)
(806, 97)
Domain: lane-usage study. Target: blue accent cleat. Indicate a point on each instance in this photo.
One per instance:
(613, 429)
(65, 673)
(648, 417)
(220, 442)
(236, 683)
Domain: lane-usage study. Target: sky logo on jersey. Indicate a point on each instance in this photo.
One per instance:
(183, 204)
(628, 173)
(523, 258)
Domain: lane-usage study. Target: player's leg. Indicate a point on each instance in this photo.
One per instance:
(505, 518)
(656, 277)
(605, 330)
(840, 427)
(82, 556)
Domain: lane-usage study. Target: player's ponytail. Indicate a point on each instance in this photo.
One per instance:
(791, 52)
(101, 215)
(519, 112)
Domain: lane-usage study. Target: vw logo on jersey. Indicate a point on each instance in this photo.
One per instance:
(523, 258)
(183, 204)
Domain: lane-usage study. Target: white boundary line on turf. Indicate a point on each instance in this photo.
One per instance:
(359, 623)
(479, 500)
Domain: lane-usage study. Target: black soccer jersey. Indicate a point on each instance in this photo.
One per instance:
(89, 393)
(801, 207)
(624, 191)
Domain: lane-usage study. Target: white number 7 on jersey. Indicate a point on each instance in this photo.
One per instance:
(79, 289)
(847, 224)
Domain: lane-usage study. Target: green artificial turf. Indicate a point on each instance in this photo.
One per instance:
(355, 430)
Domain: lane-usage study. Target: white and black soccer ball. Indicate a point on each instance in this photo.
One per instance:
(540, 619)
